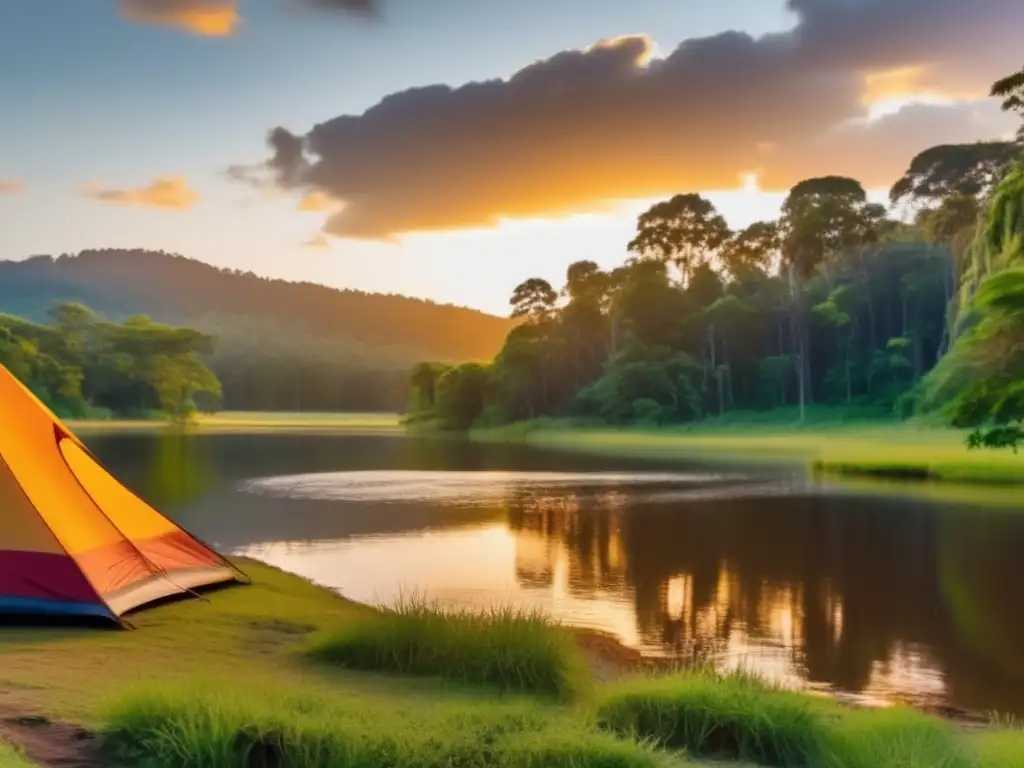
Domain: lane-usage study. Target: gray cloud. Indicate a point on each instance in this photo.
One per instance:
(585, 127)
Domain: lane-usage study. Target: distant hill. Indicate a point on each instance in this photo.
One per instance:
(310, 346)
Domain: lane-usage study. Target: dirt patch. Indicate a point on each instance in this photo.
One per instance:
(610, 660)
(53, 745)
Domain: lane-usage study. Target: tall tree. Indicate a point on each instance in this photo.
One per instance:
(685, 230)
(1011, 90)
(534, 300)
(755, 248)
(821, 217)
(969, 170)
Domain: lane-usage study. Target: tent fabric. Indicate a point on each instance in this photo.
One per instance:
(73, 540)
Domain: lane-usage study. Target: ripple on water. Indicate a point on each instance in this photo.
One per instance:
(489, 486)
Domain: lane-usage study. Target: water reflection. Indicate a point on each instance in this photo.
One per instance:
(883, 598)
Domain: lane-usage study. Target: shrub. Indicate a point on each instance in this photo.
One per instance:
(503, 647)
(731, 717)
(898, 738)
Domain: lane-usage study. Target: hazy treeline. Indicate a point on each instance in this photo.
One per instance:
(839, 301)
(281, 345)
(81, 365)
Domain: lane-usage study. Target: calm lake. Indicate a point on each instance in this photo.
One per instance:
(868, 595)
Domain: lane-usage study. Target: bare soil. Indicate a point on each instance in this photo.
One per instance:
(51, 744)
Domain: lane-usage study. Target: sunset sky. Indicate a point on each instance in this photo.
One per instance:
(395, 167)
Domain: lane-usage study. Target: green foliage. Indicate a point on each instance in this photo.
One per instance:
(82, 364)
(801, 311)
(210, 727)
(645, 383)
(954, 171)
(730, 717)
(460, 396)
(685, 230)
(502, 647)
(1011, 90)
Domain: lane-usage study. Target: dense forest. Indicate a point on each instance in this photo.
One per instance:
(279, 345)
(914, 307)
(83, 366)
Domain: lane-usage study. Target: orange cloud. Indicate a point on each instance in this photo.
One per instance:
(316, 201)
(318, 242)
(583, 128)
(11, 186)
(169, 193)
(218, 18)
(212, 18)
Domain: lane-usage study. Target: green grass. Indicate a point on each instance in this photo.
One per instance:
(204, 683)
(210, 727)
(730, 717)
(739, 717)
(241, 633)
(882, 450)
(899, 738)
(12, 758)
(502, 647)
(998, 748)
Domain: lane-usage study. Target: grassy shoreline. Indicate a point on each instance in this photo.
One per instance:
(235, 422)
(882, 450)
(869, 450)
(234, 671)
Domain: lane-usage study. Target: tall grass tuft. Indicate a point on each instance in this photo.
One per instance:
(899, 738)
(505, 647)
(734, 716)
(203, 727)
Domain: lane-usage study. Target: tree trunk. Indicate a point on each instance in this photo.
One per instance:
(948, 279)
(918, 357)
(872, 319)
(794, 322)
(728, 370)
(849, 368)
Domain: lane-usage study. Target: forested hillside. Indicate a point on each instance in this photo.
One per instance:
(914, 307)
(279, 345)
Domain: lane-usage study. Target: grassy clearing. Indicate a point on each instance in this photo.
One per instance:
(241, 633)
(258, 421)
(227, 683)
(885, 450)
(208, 727)
(504, 647)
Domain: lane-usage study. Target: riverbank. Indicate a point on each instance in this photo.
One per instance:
(235, 422)
(211, 671)
(904, 451)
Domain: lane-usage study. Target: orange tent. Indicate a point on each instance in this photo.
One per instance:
(73, 540)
